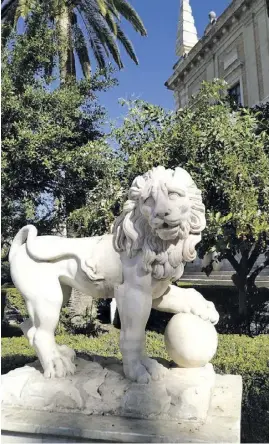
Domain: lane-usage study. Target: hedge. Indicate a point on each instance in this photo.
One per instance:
(224, 298)
(13, 299)
(236, 355)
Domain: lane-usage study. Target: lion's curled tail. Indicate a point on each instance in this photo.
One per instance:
(26, 234)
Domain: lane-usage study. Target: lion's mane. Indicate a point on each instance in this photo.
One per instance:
(132, 233)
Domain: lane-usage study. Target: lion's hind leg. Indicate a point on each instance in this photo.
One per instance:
(64, 349)
(27, 326)
(57, 361)
(28, 330)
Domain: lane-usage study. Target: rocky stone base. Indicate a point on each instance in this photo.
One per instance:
(99, 403)
(100, 388)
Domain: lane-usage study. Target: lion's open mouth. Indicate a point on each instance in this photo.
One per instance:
(167, 231)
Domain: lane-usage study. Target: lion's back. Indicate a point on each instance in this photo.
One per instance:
(105, 260)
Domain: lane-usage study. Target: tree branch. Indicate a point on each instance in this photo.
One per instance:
(254, 255)
(232, 261)
(256, 272)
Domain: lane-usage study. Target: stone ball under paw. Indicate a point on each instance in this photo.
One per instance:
(190, 341)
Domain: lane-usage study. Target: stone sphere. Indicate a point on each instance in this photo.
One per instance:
(190, 341)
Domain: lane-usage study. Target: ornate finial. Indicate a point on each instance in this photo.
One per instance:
(187, 33)
(212, 20)
(212, 17)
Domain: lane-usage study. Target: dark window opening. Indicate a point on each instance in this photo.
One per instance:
(235, 94)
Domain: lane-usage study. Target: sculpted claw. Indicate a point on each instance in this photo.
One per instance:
(137, 373)
(59, 366)
(67, 352)
(156, 370)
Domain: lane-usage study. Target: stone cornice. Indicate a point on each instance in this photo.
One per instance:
(228, 18)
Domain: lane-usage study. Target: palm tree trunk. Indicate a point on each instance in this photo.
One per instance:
(66, 55)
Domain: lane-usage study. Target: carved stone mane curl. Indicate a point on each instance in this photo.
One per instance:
(132, 233)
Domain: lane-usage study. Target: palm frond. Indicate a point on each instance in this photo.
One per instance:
(126, 44)
(91, 34)
(111, 23)
(112, 8)
(80, 46)
(108, 39)
(129, 13)
(98, 51)
(102, 6)
(94, 20)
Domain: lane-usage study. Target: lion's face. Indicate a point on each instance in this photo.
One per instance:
(163, 217)
(167, 211)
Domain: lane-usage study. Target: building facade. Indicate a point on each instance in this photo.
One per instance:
(235, 47)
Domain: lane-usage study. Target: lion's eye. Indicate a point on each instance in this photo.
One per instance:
(173, 196)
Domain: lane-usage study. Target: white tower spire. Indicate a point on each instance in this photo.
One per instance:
(187, 33)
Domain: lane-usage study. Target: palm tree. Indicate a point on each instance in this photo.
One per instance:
(81, 27)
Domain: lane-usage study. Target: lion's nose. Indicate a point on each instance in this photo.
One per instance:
(162, 213)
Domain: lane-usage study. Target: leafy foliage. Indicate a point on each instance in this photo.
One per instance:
(139, 139)
(101, 206)
(227, 157)
(138, 148)
(15, 301)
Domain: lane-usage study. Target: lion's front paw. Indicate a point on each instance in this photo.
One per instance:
(199, 306)
(67, 351)
(156, 370)
(59, 365)
(144, 370)
(137, 372)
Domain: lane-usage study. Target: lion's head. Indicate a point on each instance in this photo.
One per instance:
(163, 217)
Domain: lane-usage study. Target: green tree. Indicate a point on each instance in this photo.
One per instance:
(53, 152)
(226, 153)
(80, 27)
(226, 156)
(140, 138)
(132, 155)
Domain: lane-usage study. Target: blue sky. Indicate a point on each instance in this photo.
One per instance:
(156, 52)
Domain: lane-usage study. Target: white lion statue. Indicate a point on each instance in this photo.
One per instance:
(155, 235)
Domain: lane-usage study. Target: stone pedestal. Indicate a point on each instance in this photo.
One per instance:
(98, 403)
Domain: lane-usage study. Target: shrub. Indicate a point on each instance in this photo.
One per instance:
(84, 324)
(249, 358)
(14, 301)
(5, 272)
(225, 299)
